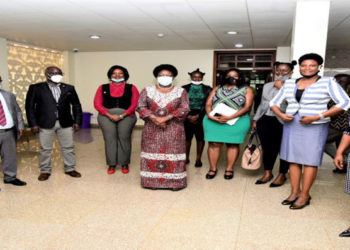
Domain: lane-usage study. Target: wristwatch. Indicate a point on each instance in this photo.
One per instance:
(121, 117)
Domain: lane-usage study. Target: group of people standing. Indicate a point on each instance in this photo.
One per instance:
(292, 121)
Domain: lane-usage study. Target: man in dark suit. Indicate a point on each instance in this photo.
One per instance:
(11, 128)
(48, 107)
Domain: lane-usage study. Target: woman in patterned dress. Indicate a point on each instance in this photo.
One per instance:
(339, 163)
(234, 93)
(163, 150)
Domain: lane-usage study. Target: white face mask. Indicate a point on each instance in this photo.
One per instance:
(282, 78)
(56, 78)
(197, 83)
(165, 80)
(118, 80)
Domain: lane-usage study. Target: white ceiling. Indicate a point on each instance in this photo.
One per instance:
(134, 24)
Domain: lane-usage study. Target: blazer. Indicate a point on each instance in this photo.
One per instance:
(269, 92)
(42, 108)
(14, 109)
(314, 99)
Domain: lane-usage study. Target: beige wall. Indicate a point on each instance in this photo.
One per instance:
(90, 69)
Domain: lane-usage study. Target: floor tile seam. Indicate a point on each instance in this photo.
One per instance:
(142, 242)
(240, 214)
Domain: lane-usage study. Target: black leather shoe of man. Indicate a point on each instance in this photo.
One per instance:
(74, 174)
(16, 182)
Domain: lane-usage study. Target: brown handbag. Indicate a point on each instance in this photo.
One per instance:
(252, 154)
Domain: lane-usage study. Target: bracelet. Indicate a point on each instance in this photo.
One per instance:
(321, 116)
(121, 117)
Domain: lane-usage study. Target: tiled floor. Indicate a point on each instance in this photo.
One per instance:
(100, 211)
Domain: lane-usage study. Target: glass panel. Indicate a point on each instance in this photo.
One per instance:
(227, 58)
(227, 65)
(245, 58)
(244, 65)
(263, 57)
(262, 64)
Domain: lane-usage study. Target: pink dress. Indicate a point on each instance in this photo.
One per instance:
(163, 152)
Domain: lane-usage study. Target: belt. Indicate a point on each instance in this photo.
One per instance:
(6, 130)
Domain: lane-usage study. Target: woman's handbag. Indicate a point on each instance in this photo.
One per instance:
(252, 154)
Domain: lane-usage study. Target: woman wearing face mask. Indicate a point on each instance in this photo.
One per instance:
(116, 103)
(234, 93)
(164, 108)
(270, 128)
(305, 126)
(197, 94)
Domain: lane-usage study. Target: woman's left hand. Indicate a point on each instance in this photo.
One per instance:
(224, 119)
(308, 119)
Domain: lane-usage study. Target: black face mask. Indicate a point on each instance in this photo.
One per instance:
(231, 81)
(310, 76)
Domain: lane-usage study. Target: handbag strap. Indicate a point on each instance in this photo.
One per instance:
(253, 134)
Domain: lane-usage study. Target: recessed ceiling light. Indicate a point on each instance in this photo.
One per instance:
(238, 45)
(232, 32)
(95, 36)
(161, 35)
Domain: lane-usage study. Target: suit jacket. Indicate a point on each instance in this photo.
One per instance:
(41, 106)
(14, 109)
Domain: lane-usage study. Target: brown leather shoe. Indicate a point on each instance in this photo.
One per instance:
(43, 176)
(74, 174)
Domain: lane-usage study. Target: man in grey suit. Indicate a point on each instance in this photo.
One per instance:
(11, 128)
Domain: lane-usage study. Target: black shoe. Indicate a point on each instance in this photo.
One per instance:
(339, 171)
(198, 164)
(288, 202)
(294, 207)
(228, 176)
(211, 176)
(259, 182)
(346, 233)
(16, 182)
(272, 185)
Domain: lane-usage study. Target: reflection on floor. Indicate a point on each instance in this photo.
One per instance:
(100, 211)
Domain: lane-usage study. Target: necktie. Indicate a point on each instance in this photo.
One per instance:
(2, 115)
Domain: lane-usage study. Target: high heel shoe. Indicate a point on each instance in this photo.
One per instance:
(211, 176)
(294, 207)
(289, 202)
(259, 182)
(272, 185)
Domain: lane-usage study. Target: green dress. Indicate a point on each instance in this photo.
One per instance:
(222, 132)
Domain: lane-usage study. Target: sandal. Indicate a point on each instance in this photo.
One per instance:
(211, 176)
(228, 176)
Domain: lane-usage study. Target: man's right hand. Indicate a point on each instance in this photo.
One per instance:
(35, 129)
(254, 125)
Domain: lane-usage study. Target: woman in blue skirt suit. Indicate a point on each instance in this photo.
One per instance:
(305, 126)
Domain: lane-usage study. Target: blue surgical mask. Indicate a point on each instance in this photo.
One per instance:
(165, 80)
(118, 80)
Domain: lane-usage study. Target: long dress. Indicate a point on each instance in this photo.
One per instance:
(163, 151)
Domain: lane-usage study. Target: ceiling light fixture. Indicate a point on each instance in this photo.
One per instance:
(95, 36)
(160, 35)
(238, 45)
(232, 32)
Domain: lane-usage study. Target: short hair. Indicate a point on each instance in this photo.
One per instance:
(240, 82)
(52, 67)
(114, 67)
(311, 56)
(289, 64)
(167, 67)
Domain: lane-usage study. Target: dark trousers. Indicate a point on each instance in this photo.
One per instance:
(270, 133)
